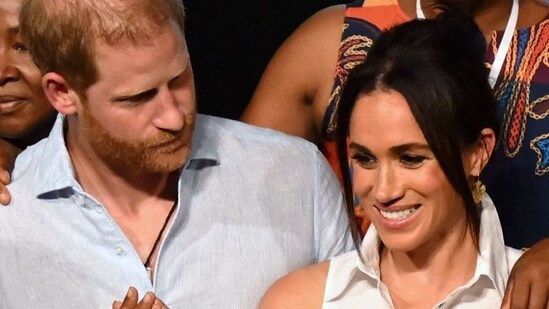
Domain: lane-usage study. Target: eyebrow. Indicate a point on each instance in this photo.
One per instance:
(135, 97)
(395, 149)
(145, 93)
(14, 29)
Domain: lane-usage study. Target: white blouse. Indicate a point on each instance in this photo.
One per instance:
(353, 284)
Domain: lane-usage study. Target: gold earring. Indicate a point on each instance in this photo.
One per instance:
(478, 190)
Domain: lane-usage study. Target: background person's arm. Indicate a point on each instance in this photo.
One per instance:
(294, 90)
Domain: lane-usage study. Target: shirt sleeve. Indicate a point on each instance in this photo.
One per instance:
(332, 235)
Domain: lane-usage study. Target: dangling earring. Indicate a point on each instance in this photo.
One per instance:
(478, 190)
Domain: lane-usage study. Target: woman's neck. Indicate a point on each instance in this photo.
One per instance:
(425, 276)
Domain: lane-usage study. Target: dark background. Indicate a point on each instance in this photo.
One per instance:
(231, 42)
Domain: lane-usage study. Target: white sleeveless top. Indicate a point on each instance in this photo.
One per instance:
(353, 284)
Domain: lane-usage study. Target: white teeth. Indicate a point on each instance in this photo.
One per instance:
(398, 215)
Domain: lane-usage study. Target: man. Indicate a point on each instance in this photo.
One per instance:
(116, 197)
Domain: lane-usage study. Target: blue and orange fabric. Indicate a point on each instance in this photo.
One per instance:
(517, 178)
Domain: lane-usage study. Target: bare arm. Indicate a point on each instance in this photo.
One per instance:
(303, 288)
(8, 153)
(294, 90)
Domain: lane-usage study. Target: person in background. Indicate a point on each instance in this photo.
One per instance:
(26, 116)
(300, 90)
(133, 188)
(417, 125)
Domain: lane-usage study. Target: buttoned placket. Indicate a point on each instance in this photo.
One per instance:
(118, 241)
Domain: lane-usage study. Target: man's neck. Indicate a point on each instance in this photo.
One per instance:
(124, 189)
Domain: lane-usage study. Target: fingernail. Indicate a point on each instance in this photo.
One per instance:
(130, 291)
(157, 304)
(3, 199)
(148, 297)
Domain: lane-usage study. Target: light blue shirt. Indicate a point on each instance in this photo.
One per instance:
(253, 205)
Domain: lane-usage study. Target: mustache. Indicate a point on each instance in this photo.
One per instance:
(163, 139)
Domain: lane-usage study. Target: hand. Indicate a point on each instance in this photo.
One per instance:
(8, 153)
(528, 285)
(150, 301)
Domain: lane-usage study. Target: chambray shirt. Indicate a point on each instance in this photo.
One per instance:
(253, 205)
(352, 283)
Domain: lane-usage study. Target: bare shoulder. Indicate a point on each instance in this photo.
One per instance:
(324, 20)
(303, 288)
(299, 77)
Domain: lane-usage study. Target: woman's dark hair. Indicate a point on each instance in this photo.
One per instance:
(438, 66)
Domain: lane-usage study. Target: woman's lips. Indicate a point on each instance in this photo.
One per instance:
(397, 217)
(9, 104)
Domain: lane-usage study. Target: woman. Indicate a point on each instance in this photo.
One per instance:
(417, 122)
(26, 116)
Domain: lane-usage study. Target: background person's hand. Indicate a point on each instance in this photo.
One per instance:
(528, 285)
(149, 301)
(8, 153)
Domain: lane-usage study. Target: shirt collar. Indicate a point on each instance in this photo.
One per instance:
(489, 262)
(55, 171)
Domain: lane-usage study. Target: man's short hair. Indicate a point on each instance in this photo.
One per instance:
(62, 34)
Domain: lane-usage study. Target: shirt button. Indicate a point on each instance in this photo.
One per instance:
(119, 251)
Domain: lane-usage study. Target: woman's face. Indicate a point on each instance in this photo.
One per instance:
(23, 105)
(397, 178)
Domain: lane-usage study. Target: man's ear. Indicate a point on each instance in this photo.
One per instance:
(480, 152)
(58, 91)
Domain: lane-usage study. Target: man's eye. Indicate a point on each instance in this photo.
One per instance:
(20, 47)
(363, 161)
(412, 161)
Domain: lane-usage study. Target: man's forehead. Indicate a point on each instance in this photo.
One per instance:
(9, 13)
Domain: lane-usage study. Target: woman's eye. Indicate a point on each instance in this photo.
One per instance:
(412, 160)
(363, 161)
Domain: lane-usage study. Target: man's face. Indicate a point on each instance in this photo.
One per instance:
(23, 105)
(141, 112)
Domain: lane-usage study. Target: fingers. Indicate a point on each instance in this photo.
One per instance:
(528, 286)
(5, 179)
(158, 304)
(130, 301)
(538, 297)
(149, 301)
(520, 296)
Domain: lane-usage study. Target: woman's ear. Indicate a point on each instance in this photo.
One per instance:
(58, 91)
(479, 153)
